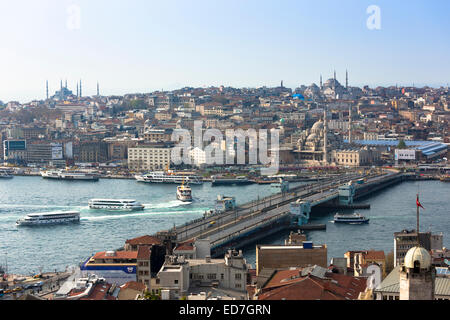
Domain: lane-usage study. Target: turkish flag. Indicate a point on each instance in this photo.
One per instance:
(418, 203)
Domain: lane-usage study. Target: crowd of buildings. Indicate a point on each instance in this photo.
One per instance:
(154, 268)
(319, 125)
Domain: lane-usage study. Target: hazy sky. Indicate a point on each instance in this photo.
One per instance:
(140, 46)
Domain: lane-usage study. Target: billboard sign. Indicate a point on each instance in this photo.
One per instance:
(405, 154)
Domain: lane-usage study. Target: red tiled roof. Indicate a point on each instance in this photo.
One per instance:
(149, 240)
(374, 255)
(289, 285)
(100, 292)
(185, 246)
(144, 252)
(139, 286)
(117, 255)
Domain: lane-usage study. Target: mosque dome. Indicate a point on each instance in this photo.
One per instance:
(417, 254)
(318, 126)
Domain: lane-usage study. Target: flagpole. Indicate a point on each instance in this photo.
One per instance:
(418, 240)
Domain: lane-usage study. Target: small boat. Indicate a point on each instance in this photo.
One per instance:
(282, 184)
(184, 193)
(36, 219)
(115, 204)
(445, 178)
(355, 218)
(5, 175)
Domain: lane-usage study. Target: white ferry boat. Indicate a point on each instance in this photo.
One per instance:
(68, 175)
(168, 177)
(76, 175)
(49, 218)
(184, 193)
(355, 218)
(4, 174)
(115, 204)
(50, 174)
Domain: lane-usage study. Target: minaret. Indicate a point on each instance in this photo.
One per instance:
(66, 83)
(81, 92)
(78, 93)
(61, 91)
(346, 79)
(98, 89)
(325, 136)
(350, 125)
(47, 88)
(321, 86)
(334, 80)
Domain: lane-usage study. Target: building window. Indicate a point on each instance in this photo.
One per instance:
(175, 281)
(238, 276)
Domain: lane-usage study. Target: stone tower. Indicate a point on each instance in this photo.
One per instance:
(417, 276)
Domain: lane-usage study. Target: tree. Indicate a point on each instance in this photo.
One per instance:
(390, 262)
(401, 144)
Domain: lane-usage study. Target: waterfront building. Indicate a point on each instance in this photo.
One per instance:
(118, 146)
(145, 158)
(148, 245)
(356, 157)
(15, 150)
(93, 151)
(44, 152)
(279, 256)
(116, 267)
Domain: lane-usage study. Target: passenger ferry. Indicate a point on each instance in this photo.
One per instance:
(50, 174)
(168, 177)
(115, 204)
(5, 175)
(184, 193)
(77, 175)
(35, 219)
(355, 218)
(69, 175)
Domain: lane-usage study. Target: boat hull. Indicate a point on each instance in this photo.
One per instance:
(118, 208)
(352, 221)
(46, 223)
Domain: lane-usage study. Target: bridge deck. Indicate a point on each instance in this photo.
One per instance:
(255, 214)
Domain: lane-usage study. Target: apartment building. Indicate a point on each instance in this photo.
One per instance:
(146, 158)
(279, 256)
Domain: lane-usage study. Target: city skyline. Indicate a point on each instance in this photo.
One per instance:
(148, 46)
